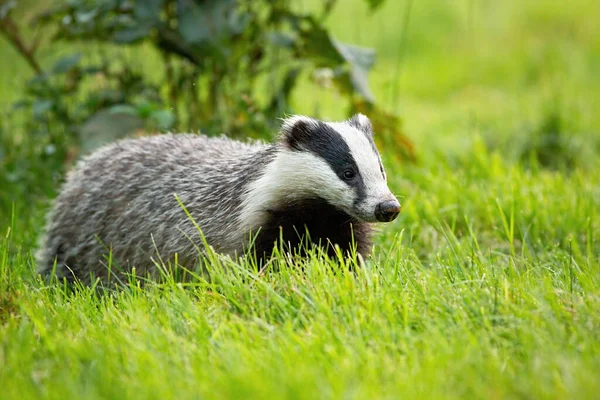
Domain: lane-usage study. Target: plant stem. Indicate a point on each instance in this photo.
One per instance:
(10, 30)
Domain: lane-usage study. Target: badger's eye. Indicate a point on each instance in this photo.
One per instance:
(349, 174)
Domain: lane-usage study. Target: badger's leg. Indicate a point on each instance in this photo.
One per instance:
(59, 260)
(53, 262)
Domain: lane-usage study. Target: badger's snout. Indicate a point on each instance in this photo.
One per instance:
(387, 211)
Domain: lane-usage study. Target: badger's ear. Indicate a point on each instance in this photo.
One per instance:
(362, 123)
(296, 131)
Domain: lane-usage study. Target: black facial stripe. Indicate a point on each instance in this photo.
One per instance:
(329, 145)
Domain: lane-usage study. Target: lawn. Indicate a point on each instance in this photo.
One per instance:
(487, 285)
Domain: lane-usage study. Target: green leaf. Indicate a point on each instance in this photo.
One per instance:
(192, 26)
(86, 16)
(132, 34)
(145, 108)
(41, 107)
(282, 39)
(238, 21)
(353, 81)
(146, 16)
(281, 96)
(351, 64)
(21, 104)
(6, 8)
(319, 46)
(201, 21)
(355, 55)
(360, 84)
(374, 4)
(361, 60)
(91, 70)
(148, 10)
(106, 126)
(123, 109)
(66, 63)
(49, 13)
(165, 119)
(109, 96)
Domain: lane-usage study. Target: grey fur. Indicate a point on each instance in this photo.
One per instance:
(122, 198)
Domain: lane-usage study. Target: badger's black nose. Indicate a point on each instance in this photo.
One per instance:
(387, 211)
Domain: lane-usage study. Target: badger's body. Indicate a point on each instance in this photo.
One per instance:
(120, 206)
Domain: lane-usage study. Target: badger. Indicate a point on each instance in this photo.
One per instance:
(164, 197)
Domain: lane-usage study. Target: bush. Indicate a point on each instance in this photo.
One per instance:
(213, 55)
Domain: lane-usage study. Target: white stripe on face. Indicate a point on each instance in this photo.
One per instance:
(293, 175)
(368, 163)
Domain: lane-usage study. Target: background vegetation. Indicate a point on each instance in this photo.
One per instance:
(486, 286)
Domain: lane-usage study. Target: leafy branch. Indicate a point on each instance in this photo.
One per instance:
(10, 30)
(215, 56)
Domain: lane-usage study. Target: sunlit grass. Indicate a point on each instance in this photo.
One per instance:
(486, 287)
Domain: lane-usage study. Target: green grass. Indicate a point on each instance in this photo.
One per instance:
(488, 285)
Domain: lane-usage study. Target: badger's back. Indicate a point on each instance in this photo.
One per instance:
(121, 201)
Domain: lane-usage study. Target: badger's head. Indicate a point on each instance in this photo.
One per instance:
(333, 161)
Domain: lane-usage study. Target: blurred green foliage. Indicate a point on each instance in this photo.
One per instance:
(213, 53)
